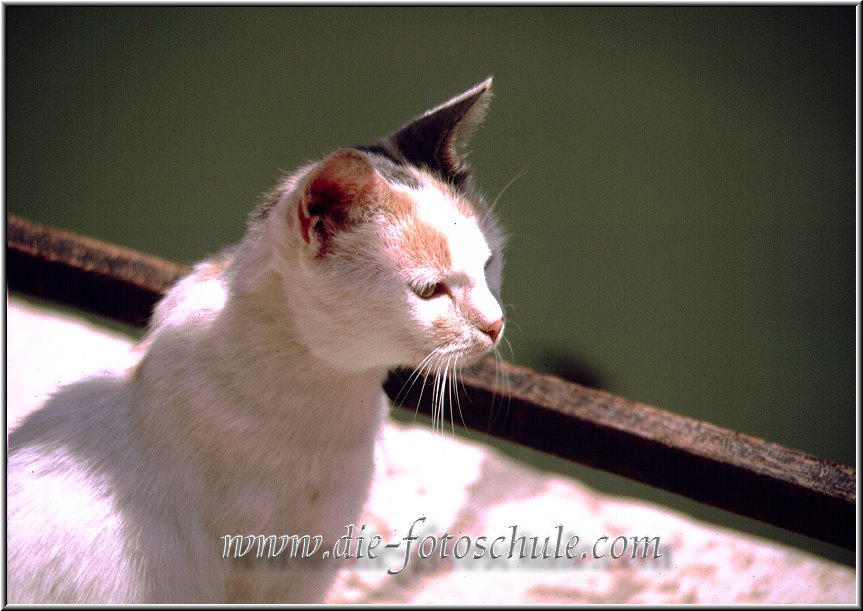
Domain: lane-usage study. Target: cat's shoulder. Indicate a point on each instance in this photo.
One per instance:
(201, 294)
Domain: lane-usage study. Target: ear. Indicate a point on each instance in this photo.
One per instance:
(335, 195)
(437, 140)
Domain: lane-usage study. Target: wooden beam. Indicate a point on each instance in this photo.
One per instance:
(743, 474)
(95, 276)
(740, 473)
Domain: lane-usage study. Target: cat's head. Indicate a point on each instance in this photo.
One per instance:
(394, 258)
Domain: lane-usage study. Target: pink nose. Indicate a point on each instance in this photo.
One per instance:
(493, 330)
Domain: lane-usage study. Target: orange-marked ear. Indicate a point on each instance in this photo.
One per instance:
(336, 195)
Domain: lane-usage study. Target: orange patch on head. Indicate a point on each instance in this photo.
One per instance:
(424, 246)
(421, 244)
(397, 205)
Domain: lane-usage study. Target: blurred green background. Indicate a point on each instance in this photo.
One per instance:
(684, 234)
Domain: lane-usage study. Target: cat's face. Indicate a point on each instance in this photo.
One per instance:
(400, 260)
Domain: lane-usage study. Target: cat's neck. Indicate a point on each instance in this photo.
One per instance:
(244, 371)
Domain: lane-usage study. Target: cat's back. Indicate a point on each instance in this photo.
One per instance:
(64, 461)
(77, 502)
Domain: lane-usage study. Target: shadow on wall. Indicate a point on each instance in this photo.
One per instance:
(573, 368)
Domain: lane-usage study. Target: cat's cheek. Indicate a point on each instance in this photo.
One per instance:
(452, 333)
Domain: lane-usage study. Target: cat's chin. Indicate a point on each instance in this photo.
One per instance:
(455, 359)
(471, 359)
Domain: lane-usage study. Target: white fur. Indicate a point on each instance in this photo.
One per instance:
(469, 251)
(254, 411)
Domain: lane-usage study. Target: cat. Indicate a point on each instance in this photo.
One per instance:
(257, 401)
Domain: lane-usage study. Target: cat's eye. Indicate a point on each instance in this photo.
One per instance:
(430, 290)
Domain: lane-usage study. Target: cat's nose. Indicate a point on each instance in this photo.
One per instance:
(493, 330)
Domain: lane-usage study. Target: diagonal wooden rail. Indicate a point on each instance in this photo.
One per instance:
(743, 474)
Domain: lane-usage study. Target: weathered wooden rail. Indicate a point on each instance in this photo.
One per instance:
(740, 473)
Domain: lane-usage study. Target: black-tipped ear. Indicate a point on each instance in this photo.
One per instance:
(437, 140)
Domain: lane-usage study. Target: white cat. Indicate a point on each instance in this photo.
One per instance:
(256, 404)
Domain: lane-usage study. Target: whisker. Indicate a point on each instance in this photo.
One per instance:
(435, 382)
(497, 376)
(428, 371)
(440, 370)
(458, 401)
(412, 380)
(507, 381)
(442, 396)
(451, 373)
(511, 306)
(510, 322)
(520, 173)
(434, 396)
(437, 399)
(512, 241)
(500, 390)
(445, 394)
(493, 203)
(509, 347)
(407, 385)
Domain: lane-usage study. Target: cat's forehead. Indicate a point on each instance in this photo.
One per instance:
(439, 229)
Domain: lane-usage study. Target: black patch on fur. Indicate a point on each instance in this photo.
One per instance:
(431, 141)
